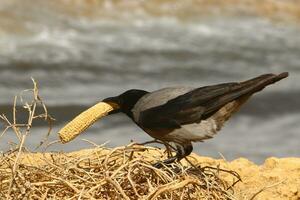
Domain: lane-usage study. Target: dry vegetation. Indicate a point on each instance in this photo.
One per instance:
(121, 173)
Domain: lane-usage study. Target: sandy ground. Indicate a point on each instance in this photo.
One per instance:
(276, 178)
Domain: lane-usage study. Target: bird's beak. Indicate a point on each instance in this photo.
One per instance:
(115, 103)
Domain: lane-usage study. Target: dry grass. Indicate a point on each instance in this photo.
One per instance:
(121, 173)
(99, 173)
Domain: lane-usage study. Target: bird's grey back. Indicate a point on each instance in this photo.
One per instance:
(157, 98)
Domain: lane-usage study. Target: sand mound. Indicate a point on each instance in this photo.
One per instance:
(277, 178)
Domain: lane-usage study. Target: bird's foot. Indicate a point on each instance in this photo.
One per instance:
(158, 165)
(174, 168)
(168, 161)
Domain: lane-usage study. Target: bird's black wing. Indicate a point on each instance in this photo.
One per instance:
(184, 109)
(200, 103)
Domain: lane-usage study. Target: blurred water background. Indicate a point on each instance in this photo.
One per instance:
(83, 51)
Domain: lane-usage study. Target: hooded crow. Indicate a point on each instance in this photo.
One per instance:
(182, 115)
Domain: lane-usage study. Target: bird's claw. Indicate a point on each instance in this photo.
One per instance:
(158, 165)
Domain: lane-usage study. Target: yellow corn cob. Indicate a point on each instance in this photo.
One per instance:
(84, 120)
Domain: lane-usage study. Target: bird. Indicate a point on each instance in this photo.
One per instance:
(183, 115)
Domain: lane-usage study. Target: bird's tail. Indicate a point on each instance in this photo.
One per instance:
(260, 82)
(230, 103)
(241, 89)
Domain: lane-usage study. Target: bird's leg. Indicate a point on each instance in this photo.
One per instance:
(169, 149)
(148, 142)
(182, 150)
(168, 146)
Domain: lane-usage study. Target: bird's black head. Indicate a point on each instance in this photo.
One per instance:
(126, 101)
